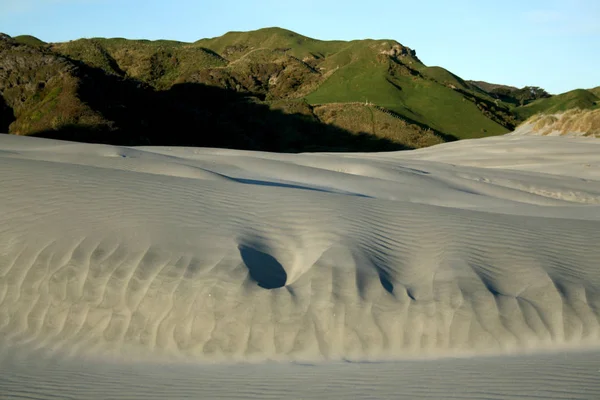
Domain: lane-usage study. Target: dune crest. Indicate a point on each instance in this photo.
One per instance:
(573, 123)
(476, 247)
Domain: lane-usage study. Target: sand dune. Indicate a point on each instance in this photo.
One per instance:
(573, 123)
(474, 248)
(570, 376)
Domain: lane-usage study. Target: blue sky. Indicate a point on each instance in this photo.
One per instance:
(552, 44)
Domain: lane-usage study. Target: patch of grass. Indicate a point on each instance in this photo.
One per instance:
(269, 73)
(444, 77)
(355, 79)
(359, 118)
(577, 121)
(91, 52)
(448, 79)
(233, 45)
(544, 121)
(595, 91)
(579, 98)
(53, 106)
(159, 63)
(29, 40)
(587, 122)
(364, 78)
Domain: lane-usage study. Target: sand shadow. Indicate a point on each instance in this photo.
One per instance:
(263, 268)
(293, 186)
(386, 282)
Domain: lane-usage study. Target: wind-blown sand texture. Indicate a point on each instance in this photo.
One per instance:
(572, 123)
(122, 267)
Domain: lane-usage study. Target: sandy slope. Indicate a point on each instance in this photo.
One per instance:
(571, 123)
(568, 376)
(200, 255)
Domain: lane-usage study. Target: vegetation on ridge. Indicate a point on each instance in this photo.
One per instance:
(574, 122)
(270, 89)
(575, 99)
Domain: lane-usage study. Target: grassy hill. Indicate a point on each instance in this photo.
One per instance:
(29, 40)
(275, 64)
(579, 98)
(160, 63)
(488, 87)
(234, 45)
(595, 91)
(49, 95)
(379, 90)
(38, 90)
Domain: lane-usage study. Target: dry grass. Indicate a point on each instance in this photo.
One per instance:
(544, 121)
(359, 118)
(576, 121)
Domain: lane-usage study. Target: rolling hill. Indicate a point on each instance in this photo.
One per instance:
(579, 98)
(595, 91)
(270, 89)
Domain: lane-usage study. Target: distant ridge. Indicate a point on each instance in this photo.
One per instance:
(29, 40)
(488, 87)
(133, 91)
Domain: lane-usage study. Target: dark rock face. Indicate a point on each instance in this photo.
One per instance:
(7, 116)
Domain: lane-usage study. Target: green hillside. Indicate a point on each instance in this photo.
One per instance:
(375, 89)
(579, 98)
(595, 91)
(160, 63)
(275, 63)
(29, 40)
(233, 45)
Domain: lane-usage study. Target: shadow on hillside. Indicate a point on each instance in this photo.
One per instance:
(6, 116)
(192, 114)
(445, 136)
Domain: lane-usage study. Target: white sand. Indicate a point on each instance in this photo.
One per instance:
(115, 261)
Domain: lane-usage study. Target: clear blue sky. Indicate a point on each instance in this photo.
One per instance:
(547, 43)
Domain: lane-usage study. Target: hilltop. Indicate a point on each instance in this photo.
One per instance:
(270, 89)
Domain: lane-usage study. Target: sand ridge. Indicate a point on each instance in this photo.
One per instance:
(208, 255)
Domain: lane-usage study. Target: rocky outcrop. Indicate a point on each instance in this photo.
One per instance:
(397, 50)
